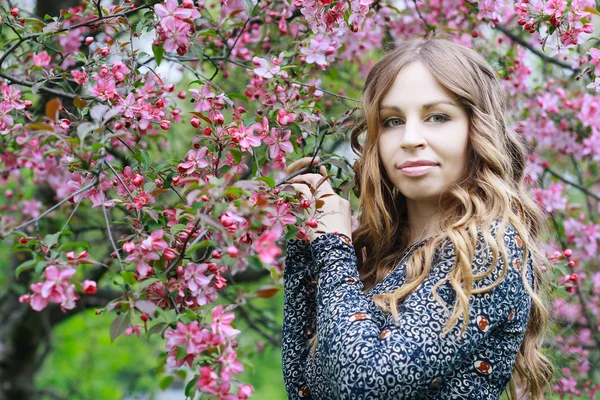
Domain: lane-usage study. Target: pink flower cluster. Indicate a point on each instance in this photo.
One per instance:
(174, 28)
(195, 339)
(327, 15)
(144, 251)
(567, 21)
(57, 287)
(11, 100)
(205, 99)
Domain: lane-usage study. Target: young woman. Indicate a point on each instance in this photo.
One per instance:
(438, 292)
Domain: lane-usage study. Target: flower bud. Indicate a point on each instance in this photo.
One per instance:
(165, 124)
(313, 223)
(14, 11)
(144, 317)
(105, 51)
(89, 40)
(574, 277)
(304, 203)
(160, 103)
(207, 131)
(26, 298)
(137, 180)
(216, 254)
(180, 271)
(181, 94)
(568, 253)
(89, 287)
(195, 121)
(571, 263)
(232, 251)
(169, 254)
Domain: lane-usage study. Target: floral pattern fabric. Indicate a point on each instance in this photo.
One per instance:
(363, 353)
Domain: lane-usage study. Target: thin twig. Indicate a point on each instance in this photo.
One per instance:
(535, 51)
(54, 207)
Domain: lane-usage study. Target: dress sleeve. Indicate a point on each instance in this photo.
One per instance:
(299, 316)
(362, 360)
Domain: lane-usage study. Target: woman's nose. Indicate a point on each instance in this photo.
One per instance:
(413, 134)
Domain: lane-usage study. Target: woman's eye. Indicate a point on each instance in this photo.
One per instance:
(440, 119)
(443, 117)
(387, 121)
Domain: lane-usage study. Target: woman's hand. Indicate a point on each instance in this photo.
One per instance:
(333, 212)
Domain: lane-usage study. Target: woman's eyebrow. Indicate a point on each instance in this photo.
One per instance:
(425, 106)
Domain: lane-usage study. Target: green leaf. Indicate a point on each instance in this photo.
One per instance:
(145, 158)
(237, 155)
(25, 266)
(201, 245)
(128, 277)
(175, 229)
(190, 388)
(296, 130)
(74, 245)
(239, 96)
(269, 180)
(166, 382)
(157, 328)
(119, 324)
(158, 52)
(51, 239)
(181, 353)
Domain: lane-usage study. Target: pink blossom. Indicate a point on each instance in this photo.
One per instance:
(135, 328)
(221, 323)
(278, 142)
(176, 33)
(31, 207)
(207, 382)
(195, 278)
(41, 59)
(203, 98)
(56, 289)
(194, 159)
(171, 10)
(6, 120)
(154, 242)
(230, 365)
(80, 77)
(315, 52)
(552, 199)
(285, 118)
(119, 70)
(244, 137)
(595, 58)
(266, 248)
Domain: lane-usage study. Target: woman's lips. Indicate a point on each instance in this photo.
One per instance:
(417, 171)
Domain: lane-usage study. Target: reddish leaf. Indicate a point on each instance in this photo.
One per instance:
(267, 291)
(52, 108)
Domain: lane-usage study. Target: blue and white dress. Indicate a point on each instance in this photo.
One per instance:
(363, 353)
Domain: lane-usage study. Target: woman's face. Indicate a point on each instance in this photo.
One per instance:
(414, 127)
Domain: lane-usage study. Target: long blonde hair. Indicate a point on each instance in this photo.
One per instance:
(492, 188)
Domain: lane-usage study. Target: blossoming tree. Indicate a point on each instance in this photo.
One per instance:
(86, 117)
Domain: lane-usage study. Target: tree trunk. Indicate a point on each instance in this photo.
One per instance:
(21, 333)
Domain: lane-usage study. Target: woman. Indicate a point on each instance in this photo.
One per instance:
(446, 230)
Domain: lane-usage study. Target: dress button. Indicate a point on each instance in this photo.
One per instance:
(436, 382)
(304, 392)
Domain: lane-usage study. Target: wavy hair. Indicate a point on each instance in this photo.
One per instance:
(491, 188)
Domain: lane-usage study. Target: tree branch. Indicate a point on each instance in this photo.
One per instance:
(535, 51)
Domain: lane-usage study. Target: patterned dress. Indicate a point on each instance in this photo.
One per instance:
(363, 353)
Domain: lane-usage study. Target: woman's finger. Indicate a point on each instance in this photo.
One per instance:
(312, 180)
(299, 164)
